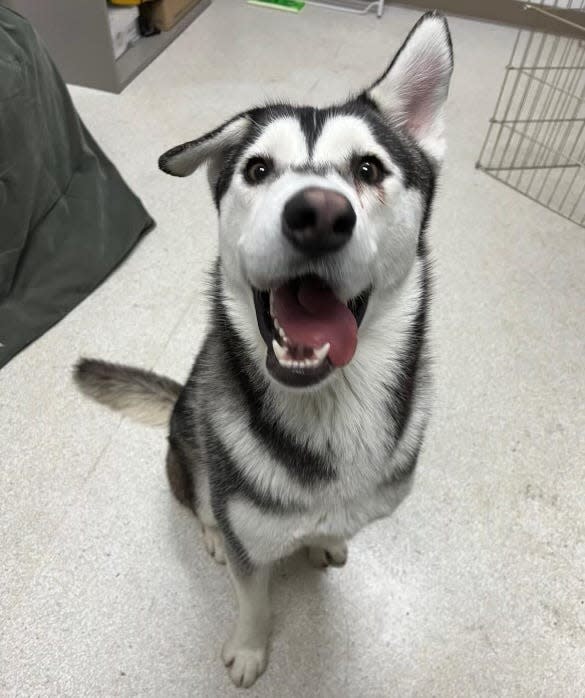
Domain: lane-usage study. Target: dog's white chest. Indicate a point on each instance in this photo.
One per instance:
(269, 536)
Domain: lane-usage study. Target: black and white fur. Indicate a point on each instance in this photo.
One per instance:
(269, 469)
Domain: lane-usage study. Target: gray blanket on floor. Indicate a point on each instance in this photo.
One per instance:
(66, 216)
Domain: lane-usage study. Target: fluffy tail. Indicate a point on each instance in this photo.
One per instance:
(142, 395)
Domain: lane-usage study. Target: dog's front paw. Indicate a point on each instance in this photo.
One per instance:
(245, 664)
(334, 554)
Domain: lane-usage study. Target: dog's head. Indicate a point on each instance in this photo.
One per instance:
(321, 209)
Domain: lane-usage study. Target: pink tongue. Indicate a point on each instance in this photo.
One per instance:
(313, 316)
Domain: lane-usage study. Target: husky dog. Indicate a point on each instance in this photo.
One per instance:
(303, 416)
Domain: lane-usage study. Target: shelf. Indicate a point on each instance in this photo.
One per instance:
(147, 48)
(77, 34)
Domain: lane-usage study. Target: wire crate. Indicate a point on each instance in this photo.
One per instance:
(536, 139)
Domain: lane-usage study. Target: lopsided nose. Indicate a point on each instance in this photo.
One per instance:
(317, 221)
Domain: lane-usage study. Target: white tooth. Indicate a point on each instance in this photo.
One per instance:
(322, 352)
(276, 323)
(278, 350)
(284, 338)
(287, 363)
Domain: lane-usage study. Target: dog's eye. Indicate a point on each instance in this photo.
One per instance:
(257, 169)
(369, 170)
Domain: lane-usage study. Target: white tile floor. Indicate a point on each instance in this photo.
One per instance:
(475, 588)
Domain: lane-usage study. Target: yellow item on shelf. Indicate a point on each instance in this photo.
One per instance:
(128, 2)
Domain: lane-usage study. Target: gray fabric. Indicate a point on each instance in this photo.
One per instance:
(66, 216)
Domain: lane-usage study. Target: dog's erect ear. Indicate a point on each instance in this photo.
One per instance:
(184, 159)
(412, 91)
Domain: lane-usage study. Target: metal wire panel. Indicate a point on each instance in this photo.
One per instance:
(536, 139)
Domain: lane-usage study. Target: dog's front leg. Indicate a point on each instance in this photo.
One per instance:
(246, 652)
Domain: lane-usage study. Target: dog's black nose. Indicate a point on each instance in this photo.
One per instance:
(317, 221)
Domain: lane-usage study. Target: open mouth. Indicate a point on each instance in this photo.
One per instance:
(308, 331)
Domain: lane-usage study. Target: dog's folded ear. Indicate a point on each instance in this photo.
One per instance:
(184, 159)
(412, 91)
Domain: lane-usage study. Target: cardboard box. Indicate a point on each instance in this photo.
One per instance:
(165, 14)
